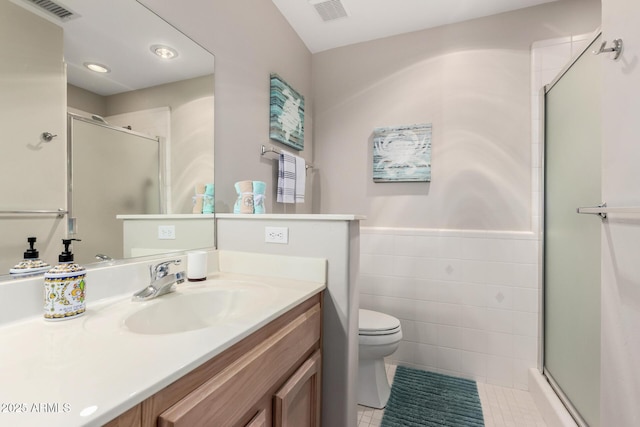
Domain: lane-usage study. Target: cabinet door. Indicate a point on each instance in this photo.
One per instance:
(297, 403)
(227, 398)
(260, 420)
(131, 418)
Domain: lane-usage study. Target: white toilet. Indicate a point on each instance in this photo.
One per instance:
(379, 336)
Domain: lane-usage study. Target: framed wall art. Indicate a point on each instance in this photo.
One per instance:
(402, 153)
(286, 114)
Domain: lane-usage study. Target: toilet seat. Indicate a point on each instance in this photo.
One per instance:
(373, 323)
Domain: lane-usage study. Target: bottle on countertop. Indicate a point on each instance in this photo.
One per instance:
(64, 287)
(31, 264)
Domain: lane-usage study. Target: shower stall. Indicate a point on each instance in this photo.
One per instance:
(572, 242)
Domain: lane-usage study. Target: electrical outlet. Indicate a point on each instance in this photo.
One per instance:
(276, 235)
(166, 232)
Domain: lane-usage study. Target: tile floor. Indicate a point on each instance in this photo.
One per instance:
(501, 406)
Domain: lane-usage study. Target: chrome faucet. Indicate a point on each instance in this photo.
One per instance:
(103, 257)
(161, 281)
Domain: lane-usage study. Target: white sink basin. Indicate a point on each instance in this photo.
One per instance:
(195, 307)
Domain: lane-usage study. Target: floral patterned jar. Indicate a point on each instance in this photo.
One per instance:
(64, 292)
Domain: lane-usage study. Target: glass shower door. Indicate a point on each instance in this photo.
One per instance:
(572, 241)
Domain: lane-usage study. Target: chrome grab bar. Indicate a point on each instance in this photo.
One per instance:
(59, 212)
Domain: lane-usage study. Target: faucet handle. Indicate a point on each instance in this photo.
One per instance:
(180, 276)
(161, 270)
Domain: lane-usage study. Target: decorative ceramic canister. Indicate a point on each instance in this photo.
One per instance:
(64, 292)
(64, 288)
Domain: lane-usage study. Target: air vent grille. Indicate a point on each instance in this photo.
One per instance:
(52, 8)
(330, 10)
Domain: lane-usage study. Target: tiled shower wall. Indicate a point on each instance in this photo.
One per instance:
(467, 301)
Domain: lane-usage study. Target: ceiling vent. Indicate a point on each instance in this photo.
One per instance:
(329, 10)
(52, 9)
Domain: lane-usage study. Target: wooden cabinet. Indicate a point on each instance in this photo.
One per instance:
(272, 377)
(131, 418)
(297, 403)
(259, 420)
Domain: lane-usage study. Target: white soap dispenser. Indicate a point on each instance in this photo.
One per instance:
(31, 264)
(64, 288)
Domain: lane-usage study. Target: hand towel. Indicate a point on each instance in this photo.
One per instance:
(245, 196)
(301, 178)
(259, 189)
(198, 199)
(286, 178)
(208, 200)
(236, 205)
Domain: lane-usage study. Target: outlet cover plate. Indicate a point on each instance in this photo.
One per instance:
(276, 235)
(166, 232)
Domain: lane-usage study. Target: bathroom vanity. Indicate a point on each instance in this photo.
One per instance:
(270, 378)
(331, 237)
(236, 349)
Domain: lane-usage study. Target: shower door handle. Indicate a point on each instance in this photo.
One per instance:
(603, 210)
(600, 210)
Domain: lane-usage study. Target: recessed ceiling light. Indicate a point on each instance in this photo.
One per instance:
(98, 68)
(164, 52)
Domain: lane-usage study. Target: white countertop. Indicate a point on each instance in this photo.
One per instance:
(88, 370)
(299, 217)
(303, 217)
(167, 216)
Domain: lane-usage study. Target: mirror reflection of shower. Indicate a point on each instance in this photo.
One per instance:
(118, 168)
(43, 72)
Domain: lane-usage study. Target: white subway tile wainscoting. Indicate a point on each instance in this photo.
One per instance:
(467, 300)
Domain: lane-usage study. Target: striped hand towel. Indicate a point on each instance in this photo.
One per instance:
(301, 177)
(286, 178)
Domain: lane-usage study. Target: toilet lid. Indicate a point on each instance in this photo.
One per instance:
(375, 323)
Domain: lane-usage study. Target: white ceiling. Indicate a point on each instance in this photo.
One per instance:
(373, 19)
(118, 33)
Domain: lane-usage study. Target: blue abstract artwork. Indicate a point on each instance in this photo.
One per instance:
(286, 114)
(402, 153)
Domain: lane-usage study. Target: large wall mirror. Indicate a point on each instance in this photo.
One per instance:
(134, 137)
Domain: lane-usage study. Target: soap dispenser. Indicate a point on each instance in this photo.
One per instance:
(64, 287)
(31, 264)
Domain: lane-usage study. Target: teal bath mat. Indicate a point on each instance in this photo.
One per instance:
(425, 399)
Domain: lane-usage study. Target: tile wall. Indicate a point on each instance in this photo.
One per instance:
(468, 300)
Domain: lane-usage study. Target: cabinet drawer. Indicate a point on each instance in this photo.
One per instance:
(227, 397)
